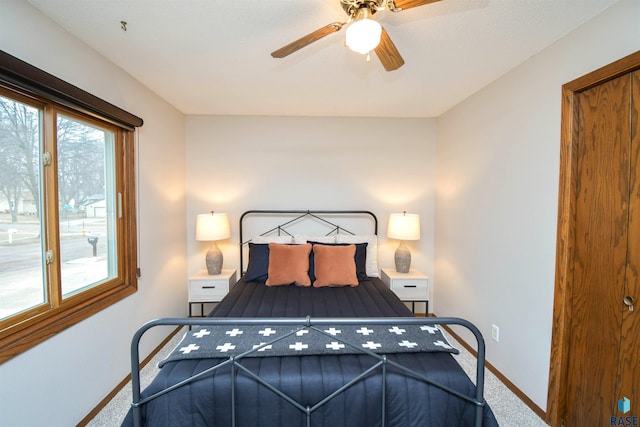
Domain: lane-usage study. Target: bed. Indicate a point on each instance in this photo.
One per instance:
(312, 354)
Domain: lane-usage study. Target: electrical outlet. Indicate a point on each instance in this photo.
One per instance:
(495, 333)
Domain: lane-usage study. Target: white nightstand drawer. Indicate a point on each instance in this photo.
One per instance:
(411, 286)
(410, 289)
(206, 288)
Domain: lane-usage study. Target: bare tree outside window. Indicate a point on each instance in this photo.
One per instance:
(20, 135)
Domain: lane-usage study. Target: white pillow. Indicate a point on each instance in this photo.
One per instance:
(273, 239)
(300, 239)
(372, 249)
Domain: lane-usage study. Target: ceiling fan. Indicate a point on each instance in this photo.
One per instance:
(363, 33)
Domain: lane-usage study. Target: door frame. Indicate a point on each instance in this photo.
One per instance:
(556, 404)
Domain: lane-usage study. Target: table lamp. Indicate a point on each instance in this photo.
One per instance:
(403, 226)
(212, 227)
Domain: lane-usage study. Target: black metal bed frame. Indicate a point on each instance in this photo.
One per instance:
(234, 362)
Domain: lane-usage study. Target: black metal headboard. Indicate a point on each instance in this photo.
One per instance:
(297, 216)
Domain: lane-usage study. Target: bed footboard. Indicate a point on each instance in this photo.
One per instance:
(382, 361)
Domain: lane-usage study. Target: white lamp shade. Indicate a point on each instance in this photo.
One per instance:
(404, 226)
(212, 227)
(363, 35)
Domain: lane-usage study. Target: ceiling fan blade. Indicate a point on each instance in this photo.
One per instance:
(307, 40)
(408, 4)
(388, 53)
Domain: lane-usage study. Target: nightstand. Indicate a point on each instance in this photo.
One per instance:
(204, 288)
(410, 287)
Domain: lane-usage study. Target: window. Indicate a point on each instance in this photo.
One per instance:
(67, 217)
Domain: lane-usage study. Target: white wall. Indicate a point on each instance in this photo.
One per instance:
(497, 190)
(59, 381)
(241, 163)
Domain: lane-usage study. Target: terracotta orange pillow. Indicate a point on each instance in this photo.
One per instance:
(335, 266)
(288, 264)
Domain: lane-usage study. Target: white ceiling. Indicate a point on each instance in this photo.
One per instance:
(212, 56)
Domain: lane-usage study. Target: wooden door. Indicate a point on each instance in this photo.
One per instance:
(629, 365)
(602, 336)
(600, 256)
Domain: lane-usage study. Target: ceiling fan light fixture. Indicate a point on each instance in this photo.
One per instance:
(363, 35)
